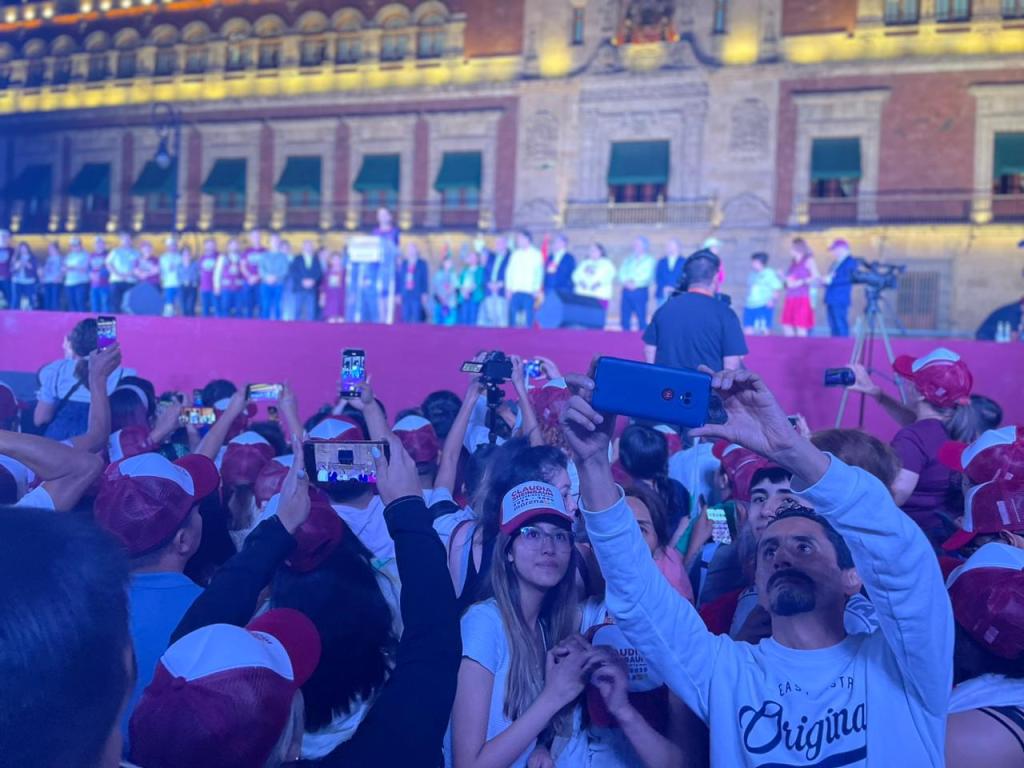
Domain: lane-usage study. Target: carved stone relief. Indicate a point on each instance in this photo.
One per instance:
(541, 139)
(749, 125)
(746, 210)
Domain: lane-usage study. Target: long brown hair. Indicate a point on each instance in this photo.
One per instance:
(559, 618)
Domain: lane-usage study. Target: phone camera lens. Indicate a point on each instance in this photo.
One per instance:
(668, 395)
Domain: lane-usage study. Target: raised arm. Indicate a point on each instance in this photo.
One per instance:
(366, 403)
(214, 438)
(864, 384)
(102, 363)
(67, 472)
(663, 626)
(892, 555)
(530, 428)
(451, 451)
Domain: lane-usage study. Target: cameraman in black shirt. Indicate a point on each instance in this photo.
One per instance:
(694, 328)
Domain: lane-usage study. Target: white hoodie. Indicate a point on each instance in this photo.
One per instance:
(876, 699)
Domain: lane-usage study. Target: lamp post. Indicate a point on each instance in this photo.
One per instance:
(167, 124)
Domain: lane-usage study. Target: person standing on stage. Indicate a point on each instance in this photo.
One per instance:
(207, 269)
(524, 279)
(802, 275)
(306, 276)
(561, 264)
(99, 278)
(636, 275)
(669, 272)
(471, 286)
(694, 328)
(6, 260)
(333, 296)
(188, 276)
(76, 275)
(494, 310)
(170, 275)
(839, 292)
(763, 287)
(229, 282)
(121, 263)
(52, 277)
(251, 259)
(413, 287)
(273, 273)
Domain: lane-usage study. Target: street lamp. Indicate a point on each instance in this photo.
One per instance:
(167, 124)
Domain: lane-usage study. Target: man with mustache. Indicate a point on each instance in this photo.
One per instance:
(811, 694)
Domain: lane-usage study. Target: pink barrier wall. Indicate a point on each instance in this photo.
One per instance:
(407, 362)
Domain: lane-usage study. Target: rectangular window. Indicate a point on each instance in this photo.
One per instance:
(638, 171)
(350, 50)
(237, 58)
(578, 26)
(35, 73)
(952, 10)
(901, 11)
(1013, 9)
(270, 55)
(99, 67)
(228, 201)
(196, 60)
(1008, 164)
(431, 44)
(166, 63)
(312, 53)
(835, 168)
(61, 71)
(394, 47)
(126, 65)
(721, 11)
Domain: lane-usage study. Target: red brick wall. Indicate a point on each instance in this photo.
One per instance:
(802, 17)
(494, 28)
(927, 145)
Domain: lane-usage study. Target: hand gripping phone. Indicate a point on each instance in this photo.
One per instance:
(655, 393)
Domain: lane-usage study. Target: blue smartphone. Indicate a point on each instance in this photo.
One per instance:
(654, 393)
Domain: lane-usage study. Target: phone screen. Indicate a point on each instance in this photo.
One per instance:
(353, 372)
(263, 392)
(197, 417)
(197, 398)
(720, 533)
(328, 463)
(472, 367)
(534, 369)
(106, 331)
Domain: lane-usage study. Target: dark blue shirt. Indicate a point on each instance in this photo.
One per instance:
(840, 289)
(415, 284)
(560, 281)
(667, 280)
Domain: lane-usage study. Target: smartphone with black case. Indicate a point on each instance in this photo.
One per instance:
(654, 393)
(329, 462)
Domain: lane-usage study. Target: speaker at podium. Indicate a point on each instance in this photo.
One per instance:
(567, 310)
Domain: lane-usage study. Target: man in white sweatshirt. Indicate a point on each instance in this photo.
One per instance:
(810, 695)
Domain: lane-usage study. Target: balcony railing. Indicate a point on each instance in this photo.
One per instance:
(1008, 207)
(679, 213)
(892, 208)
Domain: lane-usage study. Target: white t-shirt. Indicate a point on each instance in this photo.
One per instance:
(56, 379)
(170, 270)
(37, 498)
(860, 617)
(987, 691)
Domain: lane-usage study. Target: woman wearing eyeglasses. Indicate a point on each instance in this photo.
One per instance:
(523, 665)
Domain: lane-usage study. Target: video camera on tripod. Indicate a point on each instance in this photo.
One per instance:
(493, 371)
(877, 275)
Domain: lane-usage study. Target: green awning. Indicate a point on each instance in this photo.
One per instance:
(92, 179)
(154, 180)
(34, 182)
(300, 174)
(226, 176)
(379, 172)
(1009, 159)
(835, 159)
(638, 162)
(459, 170)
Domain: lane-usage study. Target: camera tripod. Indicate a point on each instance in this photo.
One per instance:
(495, 397)
(869, 326)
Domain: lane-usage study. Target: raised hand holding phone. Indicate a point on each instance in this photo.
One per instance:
(396, 476)
(293, 509)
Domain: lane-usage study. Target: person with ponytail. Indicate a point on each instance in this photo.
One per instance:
(936, 390)
(62, 402)
(643, 452)
(523, 664)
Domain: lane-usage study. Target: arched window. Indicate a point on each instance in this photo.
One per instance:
(313, 47)
(35, 71)
(165, 62)
(270, 28)
(394, 39)
(196, 36)
(237, 56)
(127, 44)
(98, 45)
(432, 38)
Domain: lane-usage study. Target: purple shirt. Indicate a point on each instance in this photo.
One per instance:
(207, 264)
(800, 271)
(918, 448)
(99, 276)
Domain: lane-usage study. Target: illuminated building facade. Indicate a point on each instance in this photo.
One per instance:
(898, 124)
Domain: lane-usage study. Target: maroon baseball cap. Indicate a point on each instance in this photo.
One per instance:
(991, 507)
(271, 478)
(244, 457)
(337, 428)
(739, 466)
(145, 499)
(318, 537)
(941, 377)
(222, 695)
(997, 453)
(128, 442)
(987, 593)
(530, 500)
(839, 243)
(418, 438)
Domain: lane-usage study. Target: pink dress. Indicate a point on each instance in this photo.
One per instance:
(334, 295)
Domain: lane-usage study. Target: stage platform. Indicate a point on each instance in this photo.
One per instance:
(408, 362)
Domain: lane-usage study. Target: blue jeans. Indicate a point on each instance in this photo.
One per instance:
(520, 302)
(188, 300)
(28, 291)
(305, 304)
(51, 296)
(751, 316)
(76, 297)
(171, 297)
(117, 292)
(838, 319)
(251, 297)
(232, 304)
(5, 291)
(412, 308)
(634, 304)
(99, 299)
(208, 299)
(468, 311)
(270, 301)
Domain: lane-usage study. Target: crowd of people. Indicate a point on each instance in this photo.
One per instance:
(547, 586)
(499, 284)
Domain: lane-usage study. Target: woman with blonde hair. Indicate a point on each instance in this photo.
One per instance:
(801, 277)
